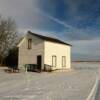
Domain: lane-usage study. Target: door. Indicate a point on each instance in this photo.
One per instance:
(39, 62)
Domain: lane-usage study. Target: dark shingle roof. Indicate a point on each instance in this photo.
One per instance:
(49, 38)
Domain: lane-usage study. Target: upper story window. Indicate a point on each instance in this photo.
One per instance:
(29, 43)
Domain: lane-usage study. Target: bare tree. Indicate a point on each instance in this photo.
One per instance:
(8, 37)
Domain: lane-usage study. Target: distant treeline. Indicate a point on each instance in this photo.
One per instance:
(85, 61)
(12, 58)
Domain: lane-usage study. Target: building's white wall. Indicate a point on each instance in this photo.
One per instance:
(44, 48)
(59, 50)
(29, 56)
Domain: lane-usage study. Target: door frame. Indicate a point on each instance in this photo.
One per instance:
(39, 62)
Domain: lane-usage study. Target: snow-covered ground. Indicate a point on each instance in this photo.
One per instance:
(74, 84)
(86, 65)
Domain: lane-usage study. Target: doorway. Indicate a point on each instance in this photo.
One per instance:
(39, 62)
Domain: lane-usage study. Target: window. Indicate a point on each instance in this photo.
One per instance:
(63, 61)
(29, 43)
(54, 61)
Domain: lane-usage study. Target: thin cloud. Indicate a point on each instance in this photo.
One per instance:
(74, 32)
(54, 19)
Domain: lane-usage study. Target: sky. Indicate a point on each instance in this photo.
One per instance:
(74, 21)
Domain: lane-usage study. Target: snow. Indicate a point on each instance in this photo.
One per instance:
(86, 65)
(74, 84)
(98, 93)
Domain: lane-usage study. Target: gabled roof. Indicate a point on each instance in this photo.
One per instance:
(49, 38)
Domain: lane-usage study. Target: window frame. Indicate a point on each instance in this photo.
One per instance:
(54, 57)
(29, 43)
(63, 61)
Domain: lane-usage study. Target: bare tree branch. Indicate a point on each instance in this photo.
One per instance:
(8, 36)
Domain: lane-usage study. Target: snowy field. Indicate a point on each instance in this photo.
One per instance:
(74, 84)
(86, 65)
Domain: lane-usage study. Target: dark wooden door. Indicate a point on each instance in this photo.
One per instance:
(39, 62)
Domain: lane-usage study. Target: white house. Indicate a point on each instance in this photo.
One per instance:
(44, 53)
